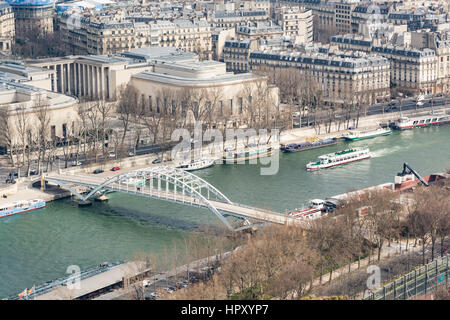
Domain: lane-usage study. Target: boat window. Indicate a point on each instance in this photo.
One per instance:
(415, 122)
(422, 121)
(428, 120)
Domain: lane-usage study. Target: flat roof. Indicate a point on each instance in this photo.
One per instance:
(91, 284)
(225, 79)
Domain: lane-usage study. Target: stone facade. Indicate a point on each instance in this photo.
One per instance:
(351, 79)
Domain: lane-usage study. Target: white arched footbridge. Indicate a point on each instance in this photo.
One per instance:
(174, 185)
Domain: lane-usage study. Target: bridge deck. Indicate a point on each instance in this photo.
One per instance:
(162, 194)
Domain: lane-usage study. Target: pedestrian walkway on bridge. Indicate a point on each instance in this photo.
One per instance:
(174, 185)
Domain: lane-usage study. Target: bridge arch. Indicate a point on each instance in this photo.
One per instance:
(161, 182)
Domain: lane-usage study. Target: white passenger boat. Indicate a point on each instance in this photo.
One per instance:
(340, 157)
(20, 206)
(314, 211)
(406, 123)
(196, 164)
(355, 135)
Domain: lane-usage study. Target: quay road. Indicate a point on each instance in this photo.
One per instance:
(151, 192)
(393, 106)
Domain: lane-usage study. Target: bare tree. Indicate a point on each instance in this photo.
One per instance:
(22, 127)
(6, 134)
(43, 134)
(127, 106)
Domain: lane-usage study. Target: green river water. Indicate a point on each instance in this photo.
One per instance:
(39, 246)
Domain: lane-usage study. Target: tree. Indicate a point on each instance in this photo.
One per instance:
(327, 237)
(22, 128)
(127, 106)
(382, 216)
(420, 221)
(43, 126)
(6, 134)
(104, 109)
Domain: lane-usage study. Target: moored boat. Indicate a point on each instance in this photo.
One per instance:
(307, 145)
(251, 153)
(196, 164)
(313, 211)
(340, 157)
(367, 134)
(435, 119)
(21, 206)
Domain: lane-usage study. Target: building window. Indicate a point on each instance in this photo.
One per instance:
(240, 104)
(64, 130)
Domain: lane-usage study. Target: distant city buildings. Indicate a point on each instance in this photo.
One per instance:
(33, 17)
(396, 46)
(7, 28)
(296, 22)
(341, 77)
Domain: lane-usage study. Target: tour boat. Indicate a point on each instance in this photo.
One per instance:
(367, 134)
(254, 152)
(314, 211)
(340, 157)
(406, 123)
(20, 206)
(302, 146)
(196, 164)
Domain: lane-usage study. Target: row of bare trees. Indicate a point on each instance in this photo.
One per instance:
(302, 93)
(283, 261)
(158, 115)
(25, 135)
(101, 127)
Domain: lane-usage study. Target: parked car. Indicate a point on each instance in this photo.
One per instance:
(33, 172)
(131, 154)
(420, 103)
(157, 160)
(391, 106)
(112, 155)
(76, 163)
(115, 168)
(169, 290)
(97, 171)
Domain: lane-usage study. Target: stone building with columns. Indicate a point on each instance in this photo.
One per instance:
(227, 97)
(150, 70)
(15, 98)
(100, 76)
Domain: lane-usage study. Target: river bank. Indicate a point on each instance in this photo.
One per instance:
(40, 245)
(23, 189)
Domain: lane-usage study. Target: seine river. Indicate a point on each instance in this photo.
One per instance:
(39, 246)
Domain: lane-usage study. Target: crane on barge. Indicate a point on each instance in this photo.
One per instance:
(408, 170)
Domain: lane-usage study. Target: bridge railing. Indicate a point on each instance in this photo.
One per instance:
(48, 286)
(419, 281)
